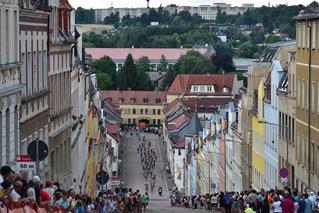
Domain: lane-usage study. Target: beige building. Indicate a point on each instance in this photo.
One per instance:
(287, 112)
(34, 120)
(141, 108)
(307, 106)
(10, 87)
(59, 80)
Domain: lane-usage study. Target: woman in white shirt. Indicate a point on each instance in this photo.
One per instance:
(276, 205)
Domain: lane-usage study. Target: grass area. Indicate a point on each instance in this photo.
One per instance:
(97, 28)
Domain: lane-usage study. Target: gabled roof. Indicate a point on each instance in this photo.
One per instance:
(183, 83)
(194, 126)
(283, 83)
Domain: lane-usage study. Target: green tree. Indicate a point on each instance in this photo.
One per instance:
(257, 35)
(84, 16)
(143, 64)
(223, 58)
(194, 63)
(128, 74)
(112, 19)
(163, 66)
(272, 39)
(104, 81)
(107, 66)
(169, 78)
(247, 50)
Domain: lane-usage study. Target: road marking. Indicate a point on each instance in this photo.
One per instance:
(160, 153)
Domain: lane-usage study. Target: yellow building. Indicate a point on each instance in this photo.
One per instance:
(307, 110)
(141, 108)
(258, 139)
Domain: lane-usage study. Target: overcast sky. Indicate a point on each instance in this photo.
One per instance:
(156, 3)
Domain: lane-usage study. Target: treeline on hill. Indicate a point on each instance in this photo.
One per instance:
(134, 74)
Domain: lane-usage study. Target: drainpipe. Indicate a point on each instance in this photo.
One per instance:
(309, 104)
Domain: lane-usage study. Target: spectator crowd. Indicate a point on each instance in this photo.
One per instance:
(17, 195)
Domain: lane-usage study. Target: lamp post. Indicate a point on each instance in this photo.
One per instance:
(287, 133)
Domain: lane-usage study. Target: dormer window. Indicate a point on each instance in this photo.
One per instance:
(225, 89)
(157, 100)
(109, 99)
(133, 100)
(121, 100)
(145, 100)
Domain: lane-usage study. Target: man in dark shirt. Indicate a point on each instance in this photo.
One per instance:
(301, 204)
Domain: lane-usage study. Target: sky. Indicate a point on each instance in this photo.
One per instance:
(156, 3)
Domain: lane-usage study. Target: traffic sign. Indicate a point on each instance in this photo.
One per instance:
(38, 150)
(102, 177)
(283, 172)
(25, 163)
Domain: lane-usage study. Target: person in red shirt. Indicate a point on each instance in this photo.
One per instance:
(44, 196)
(287, 205)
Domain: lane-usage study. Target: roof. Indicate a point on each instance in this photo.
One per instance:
(204, 104)
(180, 144)
(283, 83)
(115, 97)
(268, 54)
(183, 83)
(194, 126)
(301, 17)
(113, 129)
(151, 53)
(241, 64)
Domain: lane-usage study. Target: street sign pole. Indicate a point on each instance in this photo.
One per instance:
(37, 157)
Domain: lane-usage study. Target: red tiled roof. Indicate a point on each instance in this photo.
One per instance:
(183, 83)
(204, 104)
(116, 97)
(113, 129)
(180, 144)
(151, 53)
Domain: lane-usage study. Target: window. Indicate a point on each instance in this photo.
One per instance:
(179, 152)
(299, 34)
(154, 121)
(313, 97)
(129, 121)
(7, 136)
(303, 94)
(202, 88)
(158, 122)
(209, 88)
(158, 100)
(317, 160)
(154, 111)
(303, 35)
(141, 111)
(158, 111)
(313, 35)
(195, 88)
(134, 121)
(146, 111)
(134, 111)
(298, 93)
(133, 100)
(145, 100)
(225, 89)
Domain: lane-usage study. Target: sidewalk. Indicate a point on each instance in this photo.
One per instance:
(170, 182)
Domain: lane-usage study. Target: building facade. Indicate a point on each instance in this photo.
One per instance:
(307, 107)
(140, 108)
(10, 87)
(59, 81)
(33, 41)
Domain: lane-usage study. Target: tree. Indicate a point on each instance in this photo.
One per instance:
(84, 16)
(272, 39)
(112, 19)
(169, 78)
(223, 59)
(163, 66)
(143, 64)
(128, 74)
(107, 66)
(257, 35)
(247, 50)
(194, 63)
(104, 81)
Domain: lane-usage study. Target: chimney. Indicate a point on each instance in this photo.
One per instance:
(181, 47)
(132, 47)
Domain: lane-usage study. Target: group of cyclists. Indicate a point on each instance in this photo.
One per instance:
(148, 159)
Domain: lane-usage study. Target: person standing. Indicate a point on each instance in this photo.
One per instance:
(228, 199)
(145, 201)
(308, 202)
(287, 205)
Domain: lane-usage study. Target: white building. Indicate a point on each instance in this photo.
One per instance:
(100, 14)
(10, 87)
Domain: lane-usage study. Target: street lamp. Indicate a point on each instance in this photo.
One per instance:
(286, 137)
